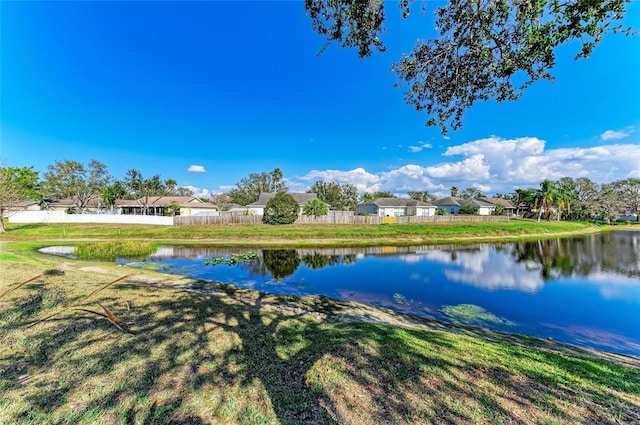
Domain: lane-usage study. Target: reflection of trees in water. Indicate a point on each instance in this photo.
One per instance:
(280, 262)
(607, 252)
(317, 260)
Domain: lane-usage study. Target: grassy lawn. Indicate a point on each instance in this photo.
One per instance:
(301, 234)
(194, 352)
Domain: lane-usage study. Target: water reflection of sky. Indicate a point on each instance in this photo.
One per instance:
(488, 269)
(575, 301)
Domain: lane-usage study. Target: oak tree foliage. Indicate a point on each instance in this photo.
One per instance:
(74, 180)
(144, 190)
(17, 185)
(342, 197)
(485, 49)
(249, 188)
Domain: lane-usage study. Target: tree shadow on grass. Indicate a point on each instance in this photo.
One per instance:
(235, 356)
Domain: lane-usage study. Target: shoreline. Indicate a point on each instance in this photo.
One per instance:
(323, 308)
(350, 311)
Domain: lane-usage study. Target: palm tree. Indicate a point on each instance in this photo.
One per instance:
(546, 196)
(566, 195)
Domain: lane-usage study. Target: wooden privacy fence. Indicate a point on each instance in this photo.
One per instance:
(337, 217)
(186, 220)
(450, 218)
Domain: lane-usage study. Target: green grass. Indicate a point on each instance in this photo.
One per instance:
(111, 250)
(301, 234)
(220, 355)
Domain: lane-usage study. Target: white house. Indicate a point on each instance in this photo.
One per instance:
(452, 205)
(395, 207)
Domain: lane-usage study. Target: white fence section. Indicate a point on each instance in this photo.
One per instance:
(62, 217)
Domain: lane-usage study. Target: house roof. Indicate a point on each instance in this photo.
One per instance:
(300, 197)
(25, 203)
(69, 202)
(449, 200)
(501, 201)
(161, 201)
(168, 200)
(397, 202)
(462, 202)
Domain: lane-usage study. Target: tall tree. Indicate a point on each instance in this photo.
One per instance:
(608, 203)
(371, 196)
(471, 193)
(587, 196)
(171, 188)
(339, 197)
(72, 179)
(17, 184)
(526, 198)
(628, 191)
(349, 197)
(142, 189)
(567, 196)
(249, 188)
(546, 197)
(111, 192)
(421, 195)
(486, 49)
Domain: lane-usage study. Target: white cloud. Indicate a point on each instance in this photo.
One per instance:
(405, 178)
(470, 169)
(359, 177)
(526, 161)
(295, 186)
(196, 169)
(492, 165)
(420, 147)
(616, 135)
(198, 191)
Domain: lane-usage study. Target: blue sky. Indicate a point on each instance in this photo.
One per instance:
(208, 92)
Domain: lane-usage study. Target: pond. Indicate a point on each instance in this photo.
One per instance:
(583, 291)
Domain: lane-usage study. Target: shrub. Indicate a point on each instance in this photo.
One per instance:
(468, 210)
(281, 209)
(441, 211)
(499, 210)
(315, 207)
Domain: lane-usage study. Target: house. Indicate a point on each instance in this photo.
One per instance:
(69, 205)
(26, 205)
(395, 207)
(509, 207)
(151, 205)
(166, 205)
(257, 208)
(452, 205)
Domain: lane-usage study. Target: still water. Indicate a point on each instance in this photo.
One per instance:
(583, 291)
